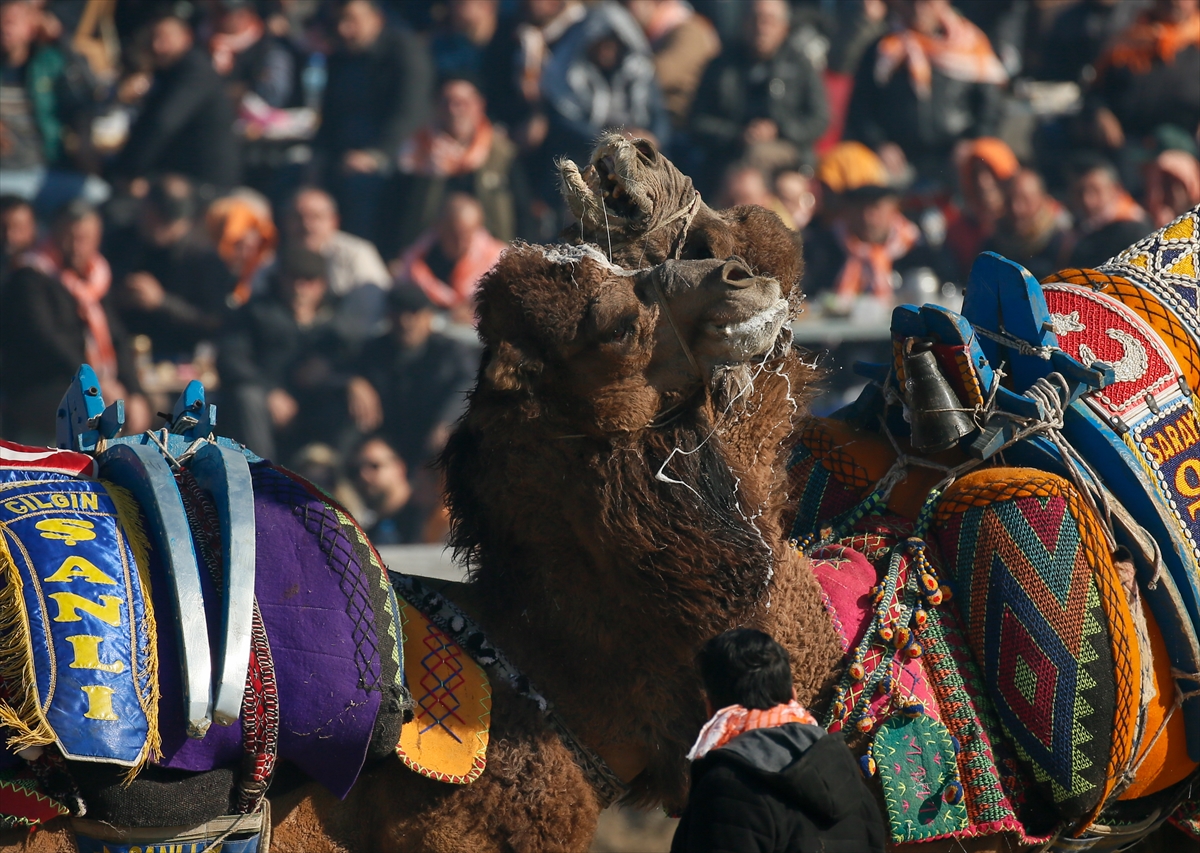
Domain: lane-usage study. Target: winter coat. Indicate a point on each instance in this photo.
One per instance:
(787, 789)
(737, 88)
(185, 126)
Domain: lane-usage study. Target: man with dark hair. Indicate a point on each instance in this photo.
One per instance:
(765, 776)
(58, 314)
(173, 285)
(379, 92)
(186, 122)
(280, 363)
(1107, 219)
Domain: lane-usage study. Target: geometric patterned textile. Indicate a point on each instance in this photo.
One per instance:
(1049, 625)
(1167, 263)
(22, 805)
(915, 757)
(448, 736)
(940, 685)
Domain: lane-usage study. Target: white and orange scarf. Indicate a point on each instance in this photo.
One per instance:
(734, 720)
(431, 151)
(961, 52)
(87, 289)
(868, 266)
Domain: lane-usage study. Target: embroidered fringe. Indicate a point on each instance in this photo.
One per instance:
(129, 517)
(24, 718)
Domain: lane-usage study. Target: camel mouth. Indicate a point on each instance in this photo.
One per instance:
(611, 189)
(748, 338)
(610, 185)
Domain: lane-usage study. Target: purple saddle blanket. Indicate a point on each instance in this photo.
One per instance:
(324, 600)
(319, 587)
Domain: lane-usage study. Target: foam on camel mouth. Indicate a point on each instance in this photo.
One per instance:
(754, 336)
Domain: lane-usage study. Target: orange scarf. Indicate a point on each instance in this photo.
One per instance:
(961, 52)
(480, 257)
(432, 152)
(730, 722)
(1150, 39)
(869, 265)
(87, 290)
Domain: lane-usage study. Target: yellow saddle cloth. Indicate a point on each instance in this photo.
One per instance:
(447, 737)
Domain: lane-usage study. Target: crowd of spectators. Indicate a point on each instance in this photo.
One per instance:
(294, 200)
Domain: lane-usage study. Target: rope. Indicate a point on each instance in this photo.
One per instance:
(1023, 347)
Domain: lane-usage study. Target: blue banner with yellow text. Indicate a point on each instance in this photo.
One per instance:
(77, 619)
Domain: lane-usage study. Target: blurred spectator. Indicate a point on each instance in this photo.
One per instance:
(601, 76)
(516, 96)
(379, 92)
(924, 86)
(324, 467)
(868, 244)
(795, 191)
(280, 363)
(186, 121)
(58, 314)
(860, 23)
(251, 58)
(460, 151)
(984, 166)
(746, 184)
(18, 233)
(173, 285)
(448, 260)
(1107, 219)
(414, 380)
(461, 46)
(241, 227)
(42, 114)
(1172, 186)
(1079, 34)
(357, 275)
(394, 517)
(762, 99)
(683, 44)
(1150, 76)
(1035, 230)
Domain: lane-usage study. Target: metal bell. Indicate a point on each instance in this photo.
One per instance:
(937, 416)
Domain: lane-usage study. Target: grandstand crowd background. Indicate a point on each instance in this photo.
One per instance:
(293, 200)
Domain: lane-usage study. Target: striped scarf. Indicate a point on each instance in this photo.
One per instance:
(730, 722)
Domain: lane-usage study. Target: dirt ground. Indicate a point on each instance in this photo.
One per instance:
(630, 831)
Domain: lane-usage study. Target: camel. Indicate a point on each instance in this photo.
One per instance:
(618, 491)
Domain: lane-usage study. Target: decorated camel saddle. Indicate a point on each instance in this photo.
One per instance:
(1005, 525)
(180, 617)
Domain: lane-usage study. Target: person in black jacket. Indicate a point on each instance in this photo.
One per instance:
(924, 86)
(762, 98)
(281, 363)
(186, 122)
(380, 91)
(765, 777)
(57, 314)
(413, 380)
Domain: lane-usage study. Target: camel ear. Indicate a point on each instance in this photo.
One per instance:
(509, 370)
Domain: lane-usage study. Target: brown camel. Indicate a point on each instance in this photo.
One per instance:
(617, 487)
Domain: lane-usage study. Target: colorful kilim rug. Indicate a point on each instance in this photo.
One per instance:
(1048, 622)
(448, 736)
(21, 802)
(938, 687)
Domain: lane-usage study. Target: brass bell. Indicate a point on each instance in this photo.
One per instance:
(937, 416)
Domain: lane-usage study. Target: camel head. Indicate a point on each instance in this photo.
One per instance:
(602, 350)
(640, 210)
(627, 185)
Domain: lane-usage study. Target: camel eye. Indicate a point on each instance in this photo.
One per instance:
(622, 332)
